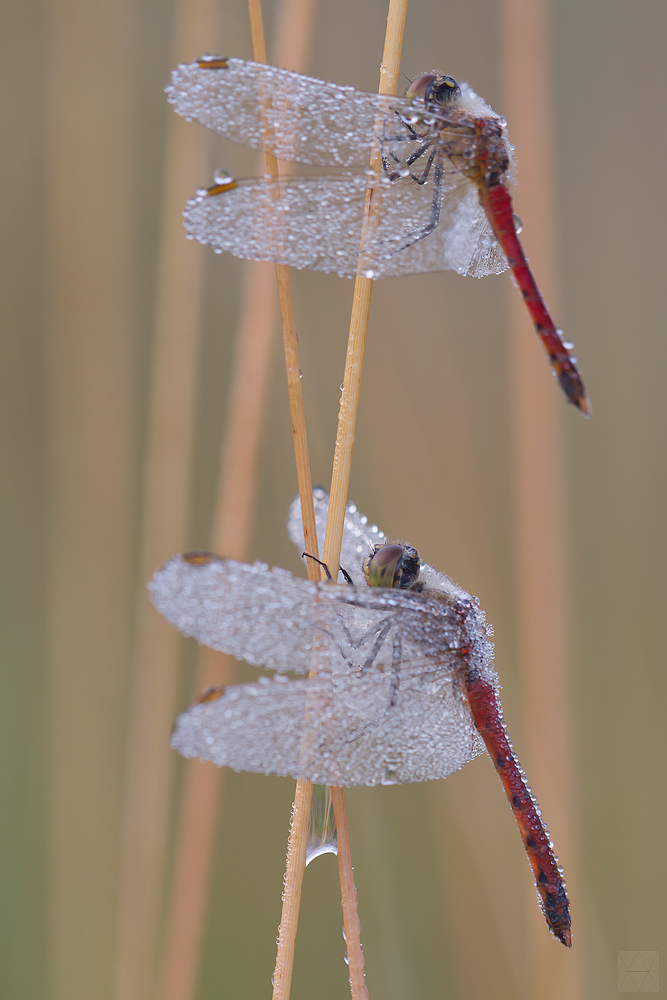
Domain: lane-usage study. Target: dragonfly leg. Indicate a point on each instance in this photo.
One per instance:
(434, 217)
(380, 632)
(423, 177)
(307, 555)
(412, 158)
(346, 575)
(396, 660)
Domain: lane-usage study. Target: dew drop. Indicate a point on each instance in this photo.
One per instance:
(221, 176)
(322, 834)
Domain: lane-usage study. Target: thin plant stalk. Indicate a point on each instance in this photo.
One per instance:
(361, 305)
(232, 524)
(340, 479)
(538, 475)
(296, 851)
(236, 492)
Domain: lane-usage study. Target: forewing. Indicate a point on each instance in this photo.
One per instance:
(261, 615)
(286, 623)
(295, 117)
(316, 222)
(359, 536)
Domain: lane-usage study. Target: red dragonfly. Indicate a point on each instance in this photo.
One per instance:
(401, 688)
(446, 162)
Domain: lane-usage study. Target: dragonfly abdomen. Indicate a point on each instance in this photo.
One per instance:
(497, 204)
(487, 714)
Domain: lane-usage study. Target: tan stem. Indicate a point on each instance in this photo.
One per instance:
(340, 479)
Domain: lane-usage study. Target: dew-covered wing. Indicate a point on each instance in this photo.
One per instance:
(316, 222)
(296, 117)
(385, 700)
(261, 615)
(343, 729)
(286, 623)
(359, 536)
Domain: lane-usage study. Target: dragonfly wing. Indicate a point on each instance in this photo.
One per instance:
(295, 117)
(359, 536)
(316, 222)
(336, 729)
(385, 699)
(261, 615)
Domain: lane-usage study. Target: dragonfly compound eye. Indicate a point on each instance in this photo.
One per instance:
(392, 566)
(443, 88)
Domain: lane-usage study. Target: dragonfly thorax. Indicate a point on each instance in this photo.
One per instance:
(393, 565)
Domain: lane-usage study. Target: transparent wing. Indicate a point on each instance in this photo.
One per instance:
(286, 623)
(384, 702)
(342, 730)
(315, 222)
(359, 536)
(298, 118)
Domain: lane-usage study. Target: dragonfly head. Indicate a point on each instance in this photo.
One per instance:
(435, 88)
(392, 566)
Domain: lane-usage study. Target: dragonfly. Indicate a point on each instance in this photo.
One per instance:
(394, 677)
(446, 163)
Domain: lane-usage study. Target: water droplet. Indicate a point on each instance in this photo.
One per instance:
(368, 273)
(518, 224)
(221, 176)
(322, 835)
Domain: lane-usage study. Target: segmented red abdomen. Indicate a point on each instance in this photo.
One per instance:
(497, 204)
(487, 713)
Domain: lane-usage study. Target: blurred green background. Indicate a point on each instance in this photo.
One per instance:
(445, 894)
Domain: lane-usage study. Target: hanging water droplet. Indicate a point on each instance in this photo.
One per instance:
(518, 224)
(322, 835)
(368, 273)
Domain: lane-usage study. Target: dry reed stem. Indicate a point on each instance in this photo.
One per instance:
(538, 476)
(356, 345)
(340, 480)
(296, 850)
(232, 524)
(235, 500)
(164, 531)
